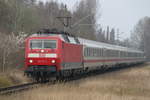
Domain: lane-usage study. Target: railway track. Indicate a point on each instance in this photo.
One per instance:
(18, 88)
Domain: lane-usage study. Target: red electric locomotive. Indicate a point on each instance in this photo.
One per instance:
(51, 53)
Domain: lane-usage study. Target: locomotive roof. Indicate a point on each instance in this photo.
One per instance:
(53, 31)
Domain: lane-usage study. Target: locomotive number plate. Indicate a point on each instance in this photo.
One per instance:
(41, 55)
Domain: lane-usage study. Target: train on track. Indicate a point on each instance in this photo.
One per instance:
(50, 53)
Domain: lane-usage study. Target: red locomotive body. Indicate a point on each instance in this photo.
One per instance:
(51, 55)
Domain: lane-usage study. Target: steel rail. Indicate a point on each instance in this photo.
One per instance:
(17, 88)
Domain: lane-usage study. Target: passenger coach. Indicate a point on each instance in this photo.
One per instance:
(102, 55)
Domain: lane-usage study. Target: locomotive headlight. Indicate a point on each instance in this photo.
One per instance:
(31, 61)
(42, 51)
(53, 61)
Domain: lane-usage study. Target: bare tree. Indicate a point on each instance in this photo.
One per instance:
(10, 46)
(140, 37)
(84, 19)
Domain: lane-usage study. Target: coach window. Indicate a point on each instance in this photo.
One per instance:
(93, 52)
(112, 53)
(88, 51)
(85, 52)
(134, 54)
(122, 53)
(127, 54)
(106, 53)
(115, 53)
(118, 53)
(96, 52)
(99, 52)
(141, 55)
(130, 55)
(102, 51)
(109, 53)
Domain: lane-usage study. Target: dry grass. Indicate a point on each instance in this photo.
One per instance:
(5, 81)
(12, 77)
(129, 84)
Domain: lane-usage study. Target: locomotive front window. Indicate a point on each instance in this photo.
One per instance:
(36, 44)
(49, 44)
(43, 44)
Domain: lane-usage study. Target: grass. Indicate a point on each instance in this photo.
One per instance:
(12, 77)
(128, 84)
(5, 81)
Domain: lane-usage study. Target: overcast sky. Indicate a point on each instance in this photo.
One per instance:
(122, 14)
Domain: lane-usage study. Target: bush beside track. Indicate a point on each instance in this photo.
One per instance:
(5, 81)
(13, 77)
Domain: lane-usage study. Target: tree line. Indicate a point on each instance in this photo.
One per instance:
(140, 36)
(29, 16)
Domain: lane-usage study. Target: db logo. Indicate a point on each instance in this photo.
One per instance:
(42, 55)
